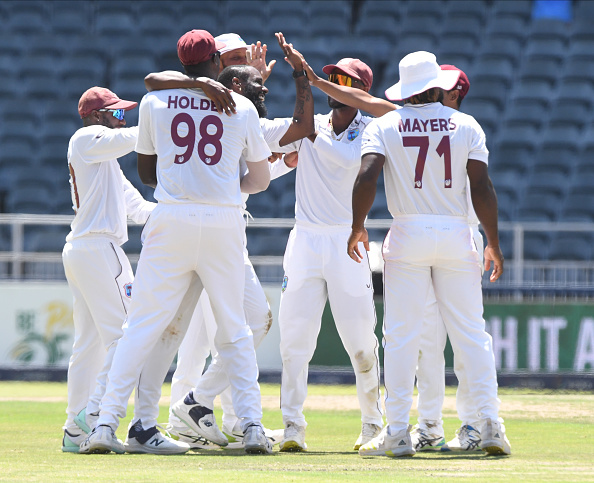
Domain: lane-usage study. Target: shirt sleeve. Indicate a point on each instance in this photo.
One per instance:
(137, 208)
(273, 131)
(478, 143)
(256, 147)
(104, 144)
(145, 144)
(372, 141)
(279, 168)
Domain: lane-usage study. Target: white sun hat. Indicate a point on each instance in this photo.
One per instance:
(231, 41)
(419, 72)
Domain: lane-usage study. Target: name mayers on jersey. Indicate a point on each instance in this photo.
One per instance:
(429, 125)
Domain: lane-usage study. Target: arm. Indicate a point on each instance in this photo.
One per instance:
(303, 120)
(349, 95)
(484, 201)
(284, 165)
(137, 208)
(363, 196)
(258, 177)
(104, 144)
(256, 57)
(147, 169)
(171, 79)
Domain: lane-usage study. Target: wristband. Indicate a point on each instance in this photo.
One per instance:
(300, 73)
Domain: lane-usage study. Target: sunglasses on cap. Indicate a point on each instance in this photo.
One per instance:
(343, 80)
(117, 113)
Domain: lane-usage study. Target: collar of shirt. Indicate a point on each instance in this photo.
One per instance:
(327, 128)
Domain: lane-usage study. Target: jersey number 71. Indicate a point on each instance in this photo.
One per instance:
(443, 149)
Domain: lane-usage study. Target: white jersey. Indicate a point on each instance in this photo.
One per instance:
(102, 197)
(327, 171)
(198, 150)
(427, 148)
(273, 131)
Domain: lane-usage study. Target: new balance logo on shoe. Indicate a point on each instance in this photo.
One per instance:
(156, 442)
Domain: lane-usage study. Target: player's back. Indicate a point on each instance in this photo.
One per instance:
(427, 148)
(198, 149)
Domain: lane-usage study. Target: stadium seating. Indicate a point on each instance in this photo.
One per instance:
(532, 84)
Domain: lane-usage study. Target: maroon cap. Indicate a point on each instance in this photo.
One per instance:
(355, 68)
(101, 98)
(197, 46)
(463, 83)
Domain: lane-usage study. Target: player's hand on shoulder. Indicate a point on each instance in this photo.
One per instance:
(220, 95)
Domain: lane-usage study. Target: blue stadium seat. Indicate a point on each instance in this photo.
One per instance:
(115, 21)
(518, 8)
(546, 28)
(456, 24)
(540, 69)
(381, 8)
(547, 48)
(561, 136)
(290, 25)
(536, 245)
(575, 246)
(498, 45)
(578, 207)
(555, 183)
(454, 47)
(490, 90)
(250, 26)
(576, 91)
(565, 114)
(524, 112)
(463, 8)
(328, 25)
(533, 90)
(343, 9)
(556, 159)
(28, 17)
(538, 206)
(71, 21)
(30, 200)
(492, 69)
(46, 239)
(507, 25)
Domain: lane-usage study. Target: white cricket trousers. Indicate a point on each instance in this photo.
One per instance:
(421, 251)
(215, 381)
(180, 240)
(318, 268)
(99, 275)
(431, 364)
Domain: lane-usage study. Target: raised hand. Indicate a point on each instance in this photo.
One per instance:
(256, 57)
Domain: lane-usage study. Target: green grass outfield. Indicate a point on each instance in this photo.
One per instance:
(552, 437)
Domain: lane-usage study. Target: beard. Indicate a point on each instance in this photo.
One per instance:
(258, 102)
(334, 104)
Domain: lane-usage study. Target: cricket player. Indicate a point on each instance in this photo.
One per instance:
(316, 269)
(97, 269)
(191, 154)
(429, 150)
(428, 434)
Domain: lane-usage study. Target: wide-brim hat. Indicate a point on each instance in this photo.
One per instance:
(419, 71)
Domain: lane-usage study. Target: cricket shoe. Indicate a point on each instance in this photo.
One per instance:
(293, 438)
(424, 440)
(255, 441)
(199, 418)
(368, 432)
(85, 421)
(235, 436)
(493, 438)
(467, 439)
(71, 442)
(385, 444)
(189, 436)
(152, 441)
(102, 440)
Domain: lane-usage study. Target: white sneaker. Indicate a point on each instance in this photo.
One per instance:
(294, 438)
(140, 441)
(189, 436)
(235, 436)
(424, 440)
(386, 444)
(71, 442)
(85, 421)
(255, 441)
(102, 440)
(493, 438)
(467, 439)
(200, 419)
(368, 432)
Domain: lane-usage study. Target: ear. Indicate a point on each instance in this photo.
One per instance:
(237, 84)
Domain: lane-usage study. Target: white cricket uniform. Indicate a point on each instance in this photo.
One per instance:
(197, 228)
(431, 364)
(196, 335)
(318, 268)
(97, 270)
(430, 244)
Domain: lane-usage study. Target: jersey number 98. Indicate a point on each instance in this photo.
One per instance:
(189, 140)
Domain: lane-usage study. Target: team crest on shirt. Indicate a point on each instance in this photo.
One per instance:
(284, 285)
(128, 290)
(352, 134)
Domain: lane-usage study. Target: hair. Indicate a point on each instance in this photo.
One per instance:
(242, 72)
(430, 95)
